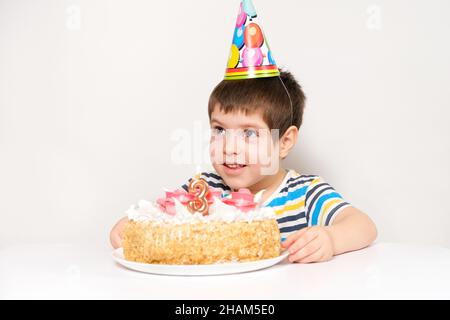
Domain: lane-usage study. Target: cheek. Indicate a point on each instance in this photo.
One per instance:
(212, 148)
(218, 169)
(260, 152)
(216, 150)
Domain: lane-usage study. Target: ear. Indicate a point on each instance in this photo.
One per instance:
(288, 141)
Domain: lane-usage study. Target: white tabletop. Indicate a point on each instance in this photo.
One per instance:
(382, 271)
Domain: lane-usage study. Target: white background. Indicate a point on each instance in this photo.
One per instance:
(91, 93)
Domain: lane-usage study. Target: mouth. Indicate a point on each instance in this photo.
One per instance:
(233, 168)
(234, 165)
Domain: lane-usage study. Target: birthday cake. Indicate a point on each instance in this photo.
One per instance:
(201, 226)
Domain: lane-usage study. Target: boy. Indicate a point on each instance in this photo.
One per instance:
(253, 102)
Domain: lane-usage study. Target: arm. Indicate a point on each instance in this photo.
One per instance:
(351, 230)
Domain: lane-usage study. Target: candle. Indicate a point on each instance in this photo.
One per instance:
(199, 189)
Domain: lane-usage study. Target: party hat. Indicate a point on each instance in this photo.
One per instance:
(250, 55)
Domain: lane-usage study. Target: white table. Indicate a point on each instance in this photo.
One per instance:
(382, 271)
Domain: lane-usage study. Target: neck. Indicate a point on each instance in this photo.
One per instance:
(269, 184)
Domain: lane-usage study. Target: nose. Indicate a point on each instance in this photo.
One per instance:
(233, 145)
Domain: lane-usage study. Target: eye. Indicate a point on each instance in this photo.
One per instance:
(250, 133)
(218, 131)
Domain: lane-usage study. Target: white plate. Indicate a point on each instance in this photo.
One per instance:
(197, 270)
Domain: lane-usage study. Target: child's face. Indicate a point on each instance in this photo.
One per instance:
(242, 149)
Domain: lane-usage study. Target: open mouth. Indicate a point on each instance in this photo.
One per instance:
(233, 169)
(234, 165)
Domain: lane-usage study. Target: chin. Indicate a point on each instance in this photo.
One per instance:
(236, 182)
(236, 185)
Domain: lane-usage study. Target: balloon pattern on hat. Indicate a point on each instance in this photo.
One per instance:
(253, 36)
(249, 8)
(234, 57)
(250, 56)
(242, 17)
(238, 38)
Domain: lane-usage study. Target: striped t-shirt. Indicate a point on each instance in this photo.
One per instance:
(299, 201)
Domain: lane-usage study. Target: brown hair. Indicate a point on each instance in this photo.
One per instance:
(266, 94)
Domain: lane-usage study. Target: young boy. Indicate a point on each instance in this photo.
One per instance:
(254, 101)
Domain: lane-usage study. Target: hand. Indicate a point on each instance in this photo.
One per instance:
(311, 244)
(117, 233)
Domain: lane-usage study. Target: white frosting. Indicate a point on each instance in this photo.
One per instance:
(218, 211)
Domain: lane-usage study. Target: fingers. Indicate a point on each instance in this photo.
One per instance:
(116, 240)
(314, 257)
(293, 237)
(115, 236)
(308, 236)
(308, 251)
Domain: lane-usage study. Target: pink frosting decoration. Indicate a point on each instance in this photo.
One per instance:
(213, 193)
(167, 204)
(242, 200)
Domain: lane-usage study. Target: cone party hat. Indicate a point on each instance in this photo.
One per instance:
(250, 55)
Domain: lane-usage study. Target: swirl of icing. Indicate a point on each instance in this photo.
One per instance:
(167, 203)
(242, 200)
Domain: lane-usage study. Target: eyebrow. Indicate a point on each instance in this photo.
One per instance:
(215, 120)
(242, 125)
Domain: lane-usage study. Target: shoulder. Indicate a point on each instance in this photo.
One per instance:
(297, 180)
(318, 185)
(293, 189)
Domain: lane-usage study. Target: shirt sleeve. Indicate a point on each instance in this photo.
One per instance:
(322, 203)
